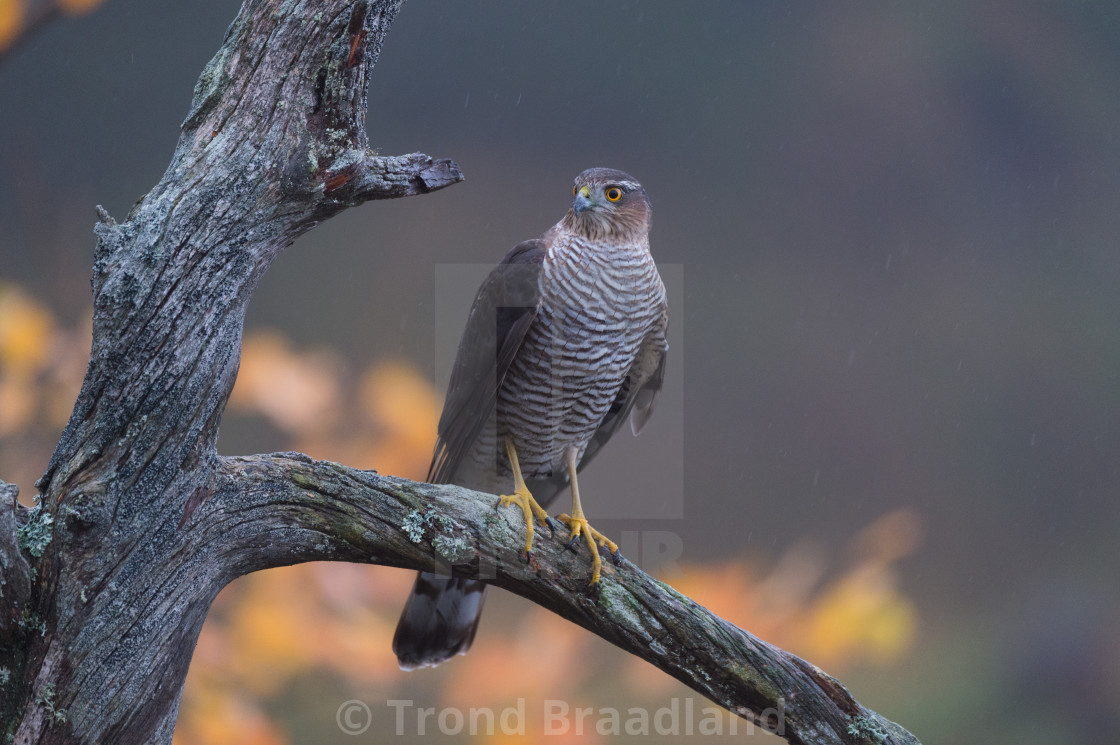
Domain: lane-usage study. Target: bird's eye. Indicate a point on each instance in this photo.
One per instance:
(613, 193)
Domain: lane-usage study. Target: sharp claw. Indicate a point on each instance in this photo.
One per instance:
(572, 543)
(526, 556)
(593, 591)
(552, 526)
(616, 557)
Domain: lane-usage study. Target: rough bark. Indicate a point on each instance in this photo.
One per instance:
(106, 584)
(15, 575)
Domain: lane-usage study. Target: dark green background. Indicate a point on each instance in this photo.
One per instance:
(896, 225)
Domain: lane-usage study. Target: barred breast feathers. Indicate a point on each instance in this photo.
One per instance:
(600, 307)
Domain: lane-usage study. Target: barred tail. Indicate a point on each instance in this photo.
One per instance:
(438, 621)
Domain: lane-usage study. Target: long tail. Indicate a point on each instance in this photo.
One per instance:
(438, 621)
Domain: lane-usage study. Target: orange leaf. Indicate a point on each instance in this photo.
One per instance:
(297, 392)
(26, 328)
(11, 18)
(17, 405)
(78, 7)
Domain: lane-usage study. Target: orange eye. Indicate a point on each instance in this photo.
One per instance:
(614, 193)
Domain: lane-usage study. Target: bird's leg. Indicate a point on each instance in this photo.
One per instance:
(578, 524)
(521, 496)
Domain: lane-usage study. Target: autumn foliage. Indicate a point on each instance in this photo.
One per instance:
(270, 631)
(18, 17)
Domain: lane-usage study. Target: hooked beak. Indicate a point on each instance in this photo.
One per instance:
(583, 200)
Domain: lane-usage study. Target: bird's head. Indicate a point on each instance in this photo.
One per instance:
(609, 204)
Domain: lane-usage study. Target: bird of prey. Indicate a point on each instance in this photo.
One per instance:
(564, 342)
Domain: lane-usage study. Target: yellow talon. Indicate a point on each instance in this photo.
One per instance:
(578, 525)
(521, 496)
(529, 506)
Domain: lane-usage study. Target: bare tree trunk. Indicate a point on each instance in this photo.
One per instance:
(106, 584)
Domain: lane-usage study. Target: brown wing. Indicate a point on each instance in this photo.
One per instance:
(503, 310)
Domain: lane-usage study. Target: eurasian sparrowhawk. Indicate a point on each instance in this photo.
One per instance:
(565, 340)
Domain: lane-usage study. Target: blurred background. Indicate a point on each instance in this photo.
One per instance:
(892, 437)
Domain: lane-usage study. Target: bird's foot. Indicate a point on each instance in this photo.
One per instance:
(579, 526)
(524, 499)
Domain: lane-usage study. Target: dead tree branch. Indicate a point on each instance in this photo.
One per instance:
(106, 584)
(272, 510)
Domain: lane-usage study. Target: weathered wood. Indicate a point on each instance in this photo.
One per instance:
(271, 510)
(15, 575)
(274, 142)
(141, 523)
